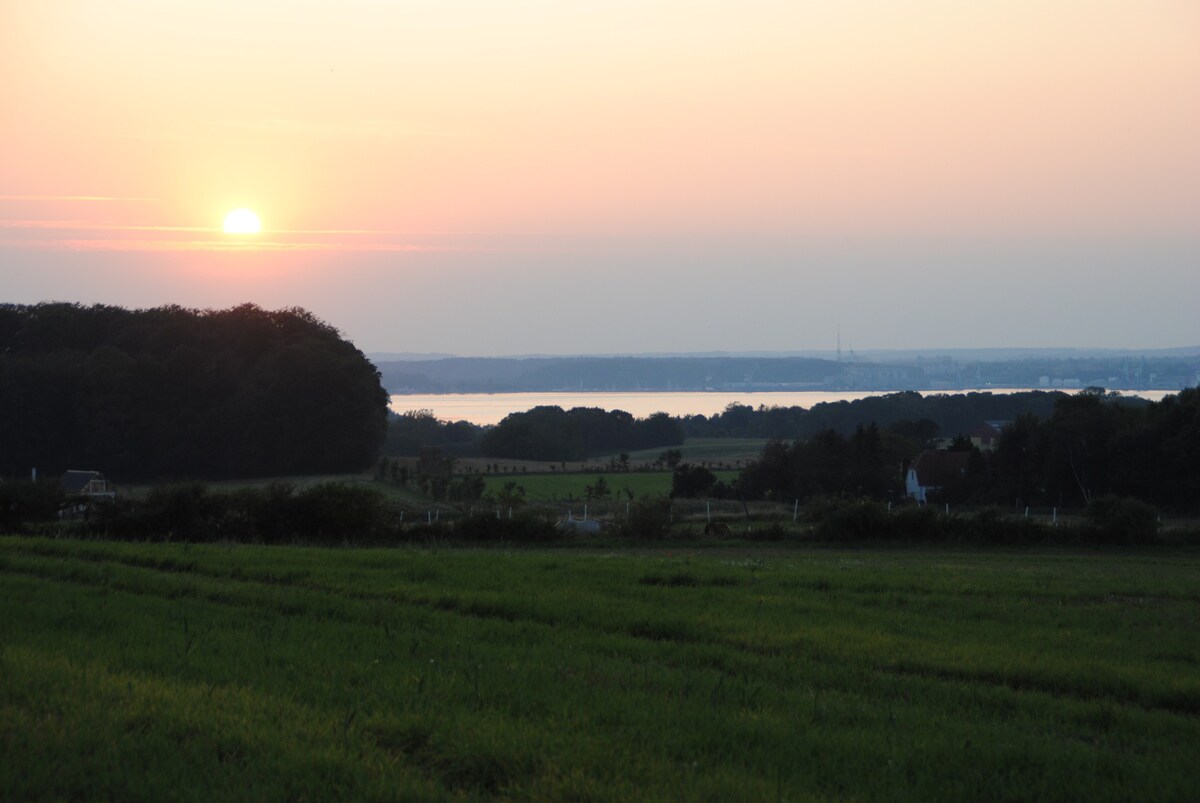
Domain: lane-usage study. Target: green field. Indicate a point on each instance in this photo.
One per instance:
(555, 487)
(698, 450)
(151, 672)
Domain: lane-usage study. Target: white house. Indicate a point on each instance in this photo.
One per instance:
(933, 469)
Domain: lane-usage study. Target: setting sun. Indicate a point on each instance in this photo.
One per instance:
(242, 221)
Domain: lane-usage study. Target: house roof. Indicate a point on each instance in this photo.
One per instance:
(74, 482)
(985, 431)
(936, 467)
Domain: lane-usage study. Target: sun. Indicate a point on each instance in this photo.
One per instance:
(242, 221)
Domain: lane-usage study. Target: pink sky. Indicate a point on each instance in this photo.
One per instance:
(471, 176)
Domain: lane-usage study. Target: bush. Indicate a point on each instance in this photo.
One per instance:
(523, 528)
(867, 520)
(857, 520)
(648, 520)
(24, 501)
(691, 482)
(917, 523)
(335, 511)
(262, 514)
(1122, 520)
(183, 512)
(328, 513)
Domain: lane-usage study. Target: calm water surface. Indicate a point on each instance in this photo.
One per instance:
(490, 408)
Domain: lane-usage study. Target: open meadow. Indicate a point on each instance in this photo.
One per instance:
(148, 672)
(621, 485)
(709, 450)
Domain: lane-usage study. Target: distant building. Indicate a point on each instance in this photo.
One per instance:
(986, 436)
(87, 484)
(933, 469)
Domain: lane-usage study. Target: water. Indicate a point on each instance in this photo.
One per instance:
(490, 408)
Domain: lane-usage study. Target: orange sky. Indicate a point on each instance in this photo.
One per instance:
(751, 147)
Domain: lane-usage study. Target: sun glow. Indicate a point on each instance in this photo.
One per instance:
(242, 221)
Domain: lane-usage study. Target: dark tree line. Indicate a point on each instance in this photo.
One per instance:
(1094, 445)
(949, 414)
(175, 392)
(410, 432)
(868, 463)
(1089, 447)
(551, 433)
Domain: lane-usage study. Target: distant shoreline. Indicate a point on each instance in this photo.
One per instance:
(490, 408)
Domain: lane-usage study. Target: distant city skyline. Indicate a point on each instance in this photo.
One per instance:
(492, 179)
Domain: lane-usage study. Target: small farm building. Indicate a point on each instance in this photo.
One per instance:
(87, 484)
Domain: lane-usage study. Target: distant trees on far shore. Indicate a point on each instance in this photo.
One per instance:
(552, 433)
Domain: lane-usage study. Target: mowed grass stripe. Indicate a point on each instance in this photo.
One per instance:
(727, 681)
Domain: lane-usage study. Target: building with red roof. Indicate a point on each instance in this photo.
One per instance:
(933, 469)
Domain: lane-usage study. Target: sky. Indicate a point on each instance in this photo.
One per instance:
(492, 178)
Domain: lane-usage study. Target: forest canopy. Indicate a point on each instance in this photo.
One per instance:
(552, 433)
(1090, 446)
(172, 392)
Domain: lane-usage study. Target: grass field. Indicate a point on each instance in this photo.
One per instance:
(553, 487)
(717, 453)
(720, 450)
(151, 672)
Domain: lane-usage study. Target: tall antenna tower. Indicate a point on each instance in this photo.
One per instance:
(839, 343)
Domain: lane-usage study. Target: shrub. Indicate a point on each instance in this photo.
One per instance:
(328, 513)
(263, 514)
(524, 528)
(182, 512)
(1122, 520)
(857, 520)
(24, 501)
(917, 523)
(691, 482)
(335, 511)
(648, 520)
